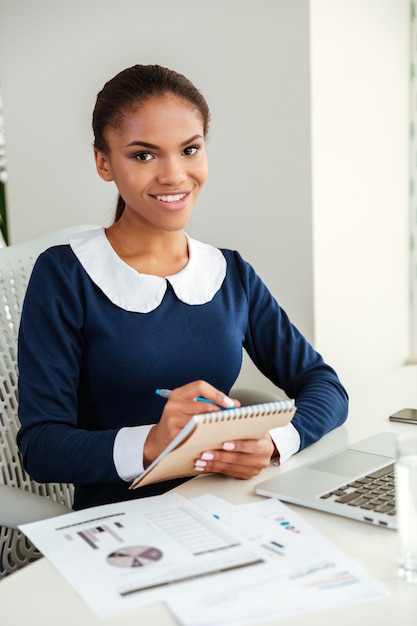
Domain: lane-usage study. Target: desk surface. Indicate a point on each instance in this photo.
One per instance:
(38, 595)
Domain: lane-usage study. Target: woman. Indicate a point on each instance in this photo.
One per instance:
(138, 306)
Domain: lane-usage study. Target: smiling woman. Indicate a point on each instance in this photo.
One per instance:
(141, 305)
(129, 89)
(157, 159)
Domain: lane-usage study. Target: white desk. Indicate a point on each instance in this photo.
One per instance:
(39, 596)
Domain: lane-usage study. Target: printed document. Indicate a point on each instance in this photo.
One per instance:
(332, 579)
(130, 554)
(211, 562)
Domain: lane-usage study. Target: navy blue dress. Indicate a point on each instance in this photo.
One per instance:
(89, 367)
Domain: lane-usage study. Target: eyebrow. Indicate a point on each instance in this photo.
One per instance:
(152, 146)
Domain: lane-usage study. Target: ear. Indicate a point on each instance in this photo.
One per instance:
(103, 166)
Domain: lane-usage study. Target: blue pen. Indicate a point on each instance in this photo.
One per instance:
(165, 393)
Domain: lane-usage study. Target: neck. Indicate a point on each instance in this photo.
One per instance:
(160, 253)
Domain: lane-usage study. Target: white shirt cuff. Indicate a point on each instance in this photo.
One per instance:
(128, 451)
(287, 442)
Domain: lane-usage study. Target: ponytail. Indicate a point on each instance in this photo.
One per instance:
(120, 207)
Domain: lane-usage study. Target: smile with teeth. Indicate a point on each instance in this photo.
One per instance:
(171, 198)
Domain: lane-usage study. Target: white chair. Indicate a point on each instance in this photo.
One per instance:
(22, 499)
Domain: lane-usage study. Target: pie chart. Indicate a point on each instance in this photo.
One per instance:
(134, 556)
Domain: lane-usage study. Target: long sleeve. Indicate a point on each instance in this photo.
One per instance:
(281, 352)
(89, 364)
(287, 442)
(128, 451)
(51, 343)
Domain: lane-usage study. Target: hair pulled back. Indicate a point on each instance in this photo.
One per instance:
(131, 88)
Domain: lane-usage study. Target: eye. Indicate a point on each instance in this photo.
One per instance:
(191, 150)
(144, 156)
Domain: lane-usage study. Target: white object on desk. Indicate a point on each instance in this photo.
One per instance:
(313, 484)
(167, 548)
(130, 554)
(332, 580)
(406, 479)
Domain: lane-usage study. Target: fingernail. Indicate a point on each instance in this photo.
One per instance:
(228, 401)
(207, 456)
(228, 445)
(200, 464)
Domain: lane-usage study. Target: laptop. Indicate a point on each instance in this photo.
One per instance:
(356, 482)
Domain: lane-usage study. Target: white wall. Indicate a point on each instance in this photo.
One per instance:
(275, 190)
(251, 60)
(359, 77)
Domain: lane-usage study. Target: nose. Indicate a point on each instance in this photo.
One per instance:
(172, 171)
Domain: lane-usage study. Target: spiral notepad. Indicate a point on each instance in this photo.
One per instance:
(208, 431)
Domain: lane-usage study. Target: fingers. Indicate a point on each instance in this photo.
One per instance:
(178, 410)
(198, 391)
(239, 459)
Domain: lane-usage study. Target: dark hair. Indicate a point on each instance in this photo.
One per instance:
(131, 88)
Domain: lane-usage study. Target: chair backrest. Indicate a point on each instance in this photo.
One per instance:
(16, 264)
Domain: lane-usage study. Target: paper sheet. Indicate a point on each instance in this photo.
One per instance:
(130, 554)
(331, 580)
(211, 562)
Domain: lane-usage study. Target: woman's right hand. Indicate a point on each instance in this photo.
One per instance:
(179, 408)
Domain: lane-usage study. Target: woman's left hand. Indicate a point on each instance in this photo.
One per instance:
(239, 459)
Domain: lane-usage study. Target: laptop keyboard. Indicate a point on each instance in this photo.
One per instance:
(373, 492)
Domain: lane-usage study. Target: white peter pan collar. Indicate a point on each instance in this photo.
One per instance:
(196, 283)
